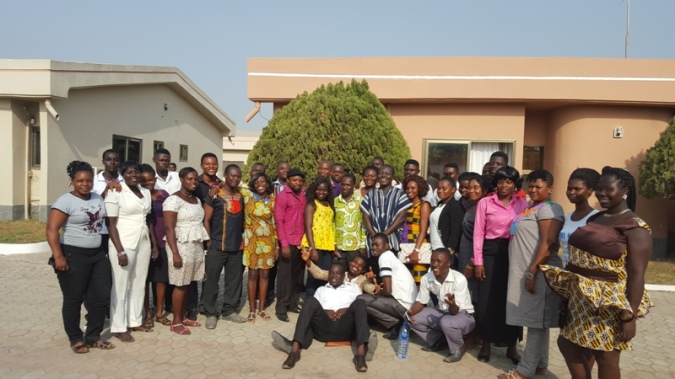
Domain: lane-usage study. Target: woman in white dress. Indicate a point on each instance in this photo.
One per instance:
(185, 234)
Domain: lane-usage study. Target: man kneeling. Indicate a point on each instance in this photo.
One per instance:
(453, 316)
(333, 314)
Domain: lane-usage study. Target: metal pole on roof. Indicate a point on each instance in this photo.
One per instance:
(625, 52)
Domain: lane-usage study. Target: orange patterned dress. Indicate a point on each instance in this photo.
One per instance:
(594, 282)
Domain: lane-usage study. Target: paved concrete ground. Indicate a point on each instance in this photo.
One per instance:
(34, 345)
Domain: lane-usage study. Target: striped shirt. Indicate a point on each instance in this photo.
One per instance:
(382, 209)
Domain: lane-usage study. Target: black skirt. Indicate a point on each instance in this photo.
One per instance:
(491, 309)
(158, 271)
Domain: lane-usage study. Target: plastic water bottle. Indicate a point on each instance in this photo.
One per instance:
(403, 339)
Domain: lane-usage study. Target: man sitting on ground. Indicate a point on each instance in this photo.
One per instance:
(452, 317)
(398, 289)
(355, 274)
(333, 314)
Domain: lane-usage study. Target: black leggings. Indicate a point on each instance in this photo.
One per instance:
(88, 281)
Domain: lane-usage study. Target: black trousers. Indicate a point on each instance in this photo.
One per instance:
(288, 272)
(313, 323)
(271, 293)
(234, 273)
(88, 281)
(324, 262)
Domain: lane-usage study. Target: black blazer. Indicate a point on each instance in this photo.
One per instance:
(450, 224)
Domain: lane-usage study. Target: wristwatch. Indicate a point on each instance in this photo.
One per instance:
(529, 276)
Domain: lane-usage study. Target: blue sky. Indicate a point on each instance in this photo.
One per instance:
(211, 40)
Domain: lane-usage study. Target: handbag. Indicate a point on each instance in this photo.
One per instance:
(409, 248)
(563, 314)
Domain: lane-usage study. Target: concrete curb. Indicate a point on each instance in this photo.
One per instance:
(659, 287)
(23, 248)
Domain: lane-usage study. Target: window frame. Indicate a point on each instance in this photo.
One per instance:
(427, 141)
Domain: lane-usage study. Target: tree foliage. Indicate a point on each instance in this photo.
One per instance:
(344, 124)
(657, 171)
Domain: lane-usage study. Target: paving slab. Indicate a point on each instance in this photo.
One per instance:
(34, 345)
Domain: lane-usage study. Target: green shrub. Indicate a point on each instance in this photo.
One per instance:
(657, 171)
(345, 124)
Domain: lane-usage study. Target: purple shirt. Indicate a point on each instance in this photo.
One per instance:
(289, 215)
(493, 221)
(157, 218)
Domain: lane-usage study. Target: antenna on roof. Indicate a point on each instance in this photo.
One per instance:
(625, 52)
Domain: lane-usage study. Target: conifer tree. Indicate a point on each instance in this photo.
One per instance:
(343, 123)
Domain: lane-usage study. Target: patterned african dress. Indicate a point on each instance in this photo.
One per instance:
(595, 284)
(260, 233)
(411, 230)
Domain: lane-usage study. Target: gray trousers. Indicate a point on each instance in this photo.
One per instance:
(432, 324)
(384, 309)
(535, 354)
(234, 270)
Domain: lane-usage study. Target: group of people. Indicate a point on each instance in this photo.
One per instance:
(466, 260)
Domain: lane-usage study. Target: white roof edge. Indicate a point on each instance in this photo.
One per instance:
(64, 76)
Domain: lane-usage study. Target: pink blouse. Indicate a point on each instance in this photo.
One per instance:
(493, 221)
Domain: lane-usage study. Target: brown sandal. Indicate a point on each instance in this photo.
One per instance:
(263, 315)
(101, 344)
(163, 320)
(80, 348)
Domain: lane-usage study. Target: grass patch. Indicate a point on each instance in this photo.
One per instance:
(24, 231)
(661, 272)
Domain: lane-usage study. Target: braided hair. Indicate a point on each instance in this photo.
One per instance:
(542, 174)
(627, 181)
(76, 166)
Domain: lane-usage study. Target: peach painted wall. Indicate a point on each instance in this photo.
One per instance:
(582, 136)
(418, 122)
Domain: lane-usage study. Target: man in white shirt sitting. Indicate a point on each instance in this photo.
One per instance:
(398, 289)
(452, 317)
(333, 314)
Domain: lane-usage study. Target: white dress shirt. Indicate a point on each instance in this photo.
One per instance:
(170, 185)
(332, 299)
(455, 283)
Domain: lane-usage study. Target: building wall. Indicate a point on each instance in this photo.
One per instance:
(582, 136)
(89, 118)
(418, 122)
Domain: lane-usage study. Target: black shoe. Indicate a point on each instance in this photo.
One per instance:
(295, 310)
(452, 358)
(280, 342)
(291, 360)
(360, 363)
(485, 358)
(283, 317)
(391, 335)
(432, 348)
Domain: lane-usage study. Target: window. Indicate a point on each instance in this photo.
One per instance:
(469, 155)
(156, 145)
(129, 148)
(533, 157)
(183, 153)
(35, 146)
